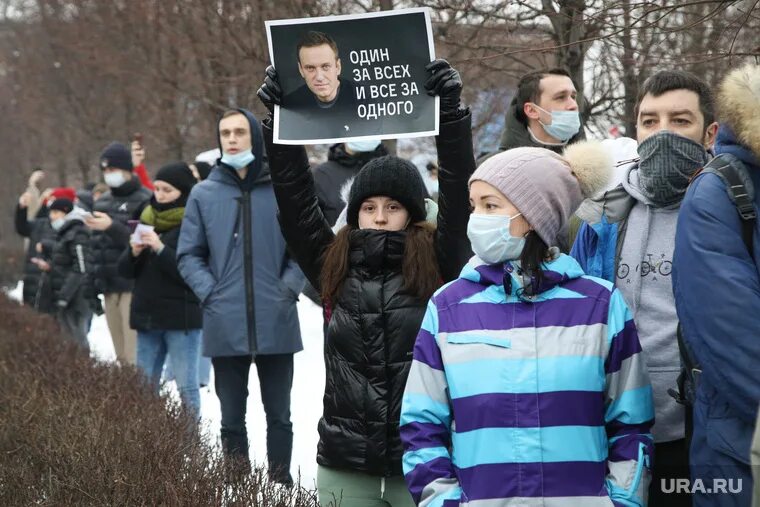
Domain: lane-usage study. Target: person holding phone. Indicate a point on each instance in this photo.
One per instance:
(138, 161)
(164, 311)
(110, 236)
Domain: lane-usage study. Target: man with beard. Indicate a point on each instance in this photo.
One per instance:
(628, 238)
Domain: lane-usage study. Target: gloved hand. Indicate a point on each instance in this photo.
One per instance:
(270, 93)
(445, 82)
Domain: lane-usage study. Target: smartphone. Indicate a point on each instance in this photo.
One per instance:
(132, 225)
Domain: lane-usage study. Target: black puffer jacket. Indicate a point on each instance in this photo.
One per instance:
(330, 177)
(121, 204)
(373, 325)
(161, 299)
(37, 290)
(71, 264)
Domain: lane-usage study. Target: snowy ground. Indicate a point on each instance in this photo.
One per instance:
(306, 404)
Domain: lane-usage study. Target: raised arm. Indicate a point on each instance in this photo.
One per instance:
(456, 165)
(303, 224)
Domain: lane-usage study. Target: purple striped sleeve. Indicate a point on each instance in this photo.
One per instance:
(624, 344)
(426, 350)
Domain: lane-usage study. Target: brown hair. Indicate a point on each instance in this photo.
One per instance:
(419, 267)
(313, 39)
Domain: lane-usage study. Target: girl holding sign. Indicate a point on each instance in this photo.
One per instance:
(375, 276)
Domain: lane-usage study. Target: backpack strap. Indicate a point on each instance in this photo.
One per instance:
(741, 191)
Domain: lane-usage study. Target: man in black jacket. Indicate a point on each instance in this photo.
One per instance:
(110, 237)
(69, 270)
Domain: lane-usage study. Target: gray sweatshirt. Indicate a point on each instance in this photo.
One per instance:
(644, 279)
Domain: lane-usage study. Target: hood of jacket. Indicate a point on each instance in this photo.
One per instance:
(739, 103)
(632, 185)
(728, 142)
(508, 276)
(516, 134)
(257, 170)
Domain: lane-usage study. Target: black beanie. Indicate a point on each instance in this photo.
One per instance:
(204, 169)
(62, 204)
(178, 175)
(392, 177)
(116, 155)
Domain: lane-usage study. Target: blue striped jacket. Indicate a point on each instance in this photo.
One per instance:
(526, 400)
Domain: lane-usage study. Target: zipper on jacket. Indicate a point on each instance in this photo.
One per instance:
(248, 270)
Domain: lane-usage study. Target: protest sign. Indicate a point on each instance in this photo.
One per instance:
(353, 77)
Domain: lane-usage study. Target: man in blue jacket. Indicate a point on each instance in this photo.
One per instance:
(232, 254)
(717, 289)
(628, 238)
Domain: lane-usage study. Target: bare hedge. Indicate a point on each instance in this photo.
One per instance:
(75, 431)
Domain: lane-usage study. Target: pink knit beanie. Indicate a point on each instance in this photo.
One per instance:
(545, 187)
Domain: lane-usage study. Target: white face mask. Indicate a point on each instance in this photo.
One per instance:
(363, 145)
(490, 238)
(57, 223)
(114, 179)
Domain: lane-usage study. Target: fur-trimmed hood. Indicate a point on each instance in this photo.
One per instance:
(739, 105)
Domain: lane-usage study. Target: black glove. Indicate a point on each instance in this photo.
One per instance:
(445, 82)
(270, 93)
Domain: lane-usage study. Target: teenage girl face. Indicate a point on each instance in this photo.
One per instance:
(383, 213)
(165, 192)
(485, 199)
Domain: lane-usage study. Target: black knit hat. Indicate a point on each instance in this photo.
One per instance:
(178, 175)
(62, 204)
(116, 155)
(204, 169)
(392, 177)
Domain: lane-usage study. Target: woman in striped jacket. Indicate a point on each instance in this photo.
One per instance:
(528, 385)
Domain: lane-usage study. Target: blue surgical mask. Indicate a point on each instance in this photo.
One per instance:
(57, 223)
(490, 238)
(565, 124)
(363, 145)
(239, 160)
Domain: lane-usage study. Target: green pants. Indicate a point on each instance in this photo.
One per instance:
(344, 488)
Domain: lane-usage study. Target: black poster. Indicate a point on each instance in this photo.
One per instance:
(351, 77)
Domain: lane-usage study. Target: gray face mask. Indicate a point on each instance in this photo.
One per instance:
(666, 165)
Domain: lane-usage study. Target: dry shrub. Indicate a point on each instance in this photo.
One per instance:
(75, 431)
(11, 262)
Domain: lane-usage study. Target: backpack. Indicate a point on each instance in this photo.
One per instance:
(734, 175)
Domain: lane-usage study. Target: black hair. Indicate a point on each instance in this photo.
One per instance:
(312, 39)
(529, 89)
(535, 253)
(669, 80)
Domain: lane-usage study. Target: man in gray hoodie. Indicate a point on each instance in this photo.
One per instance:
(628, 238)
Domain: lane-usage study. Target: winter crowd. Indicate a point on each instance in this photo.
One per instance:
(563, 322)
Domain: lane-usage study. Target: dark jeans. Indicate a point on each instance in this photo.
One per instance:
(276, 379)
(74, 323)
(671, 462)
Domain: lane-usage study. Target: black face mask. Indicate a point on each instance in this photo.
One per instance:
(667, 163)
(180, 202)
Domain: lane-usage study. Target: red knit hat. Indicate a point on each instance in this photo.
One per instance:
(64, 193)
